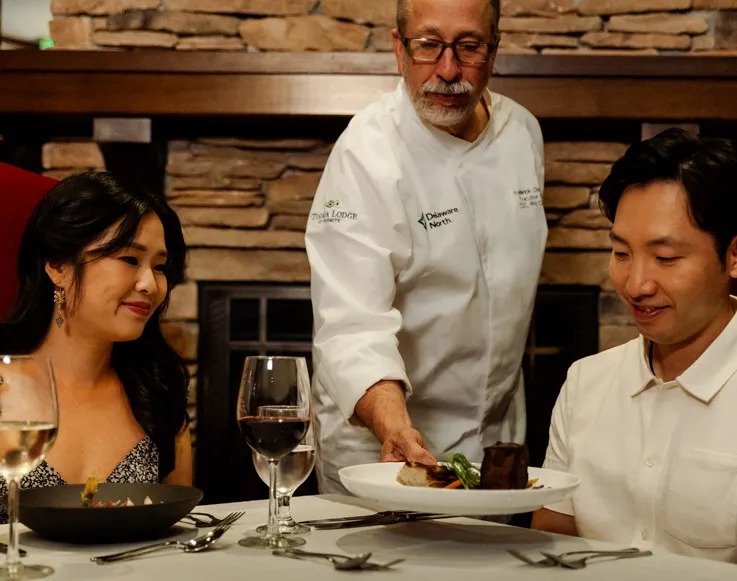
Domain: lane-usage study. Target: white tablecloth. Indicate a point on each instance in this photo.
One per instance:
(446, 550)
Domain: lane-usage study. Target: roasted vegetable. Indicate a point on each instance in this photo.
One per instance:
(90, 489)
(466, 472)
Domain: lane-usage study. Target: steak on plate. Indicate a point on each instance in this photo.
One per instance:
(504, 467)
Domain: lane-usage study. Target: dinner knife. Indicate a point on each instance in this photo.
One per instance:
(381, 521)
(4, 549)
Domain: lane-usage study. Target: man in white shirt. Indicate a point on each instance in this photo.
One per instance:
(425, 242)
(650, 425)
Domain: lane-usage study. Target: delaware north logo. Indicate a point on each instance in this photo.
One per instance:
(432, 220)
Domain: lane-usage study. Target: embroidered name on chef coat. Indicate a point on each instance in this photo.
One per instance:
(529, 198)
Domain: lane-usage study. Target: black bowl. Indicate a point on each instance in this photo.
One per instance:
(57, 513)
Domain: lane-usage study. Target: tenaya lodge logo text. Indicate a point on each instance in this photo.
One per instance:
(332, 213)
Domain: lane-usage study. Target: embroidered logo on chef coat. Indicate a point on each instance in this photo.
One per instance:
(529, 198)
(431, 220)
(332, 214)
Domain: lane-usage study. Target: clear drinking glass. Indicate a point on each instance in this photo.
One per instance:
(273, 413)
(292, 470)
(29, 419)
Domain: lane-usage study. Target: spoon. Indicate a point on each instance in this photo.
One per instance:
(192, 546)
(340, 562)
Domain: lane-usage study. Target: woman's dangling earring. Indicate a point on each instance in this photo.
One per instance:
(60, 298)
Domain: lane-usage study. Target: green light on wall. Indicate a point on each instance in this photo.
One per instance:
(45, 43)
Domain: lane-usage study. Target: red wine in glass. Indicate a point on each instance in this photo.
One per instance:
(273, 414)
(273, 436)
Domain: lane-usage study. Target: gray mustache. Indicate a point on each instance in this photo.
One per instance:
(458, 88)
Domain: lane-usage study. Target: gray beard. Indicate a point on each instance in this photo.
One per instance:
(440, 116)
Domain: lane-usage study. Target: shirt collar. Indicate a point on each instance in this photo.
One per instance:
(707, 375)
(645, 377)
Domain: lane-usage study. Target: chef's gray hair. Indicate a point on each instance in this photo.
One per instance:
(403, 8)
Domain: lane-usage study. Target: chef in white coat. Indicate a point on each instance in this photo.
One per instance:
(425, 242)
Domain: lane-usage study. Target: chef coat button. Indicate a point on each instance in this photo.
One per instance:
(645, 534)
(650, 462)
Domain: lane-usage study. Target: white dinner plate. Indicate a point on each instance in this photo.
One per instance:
(379, 482)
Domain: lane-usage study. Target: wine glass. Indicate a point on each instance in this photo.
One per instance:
(292, 470)
(273, 413)
(29, 419)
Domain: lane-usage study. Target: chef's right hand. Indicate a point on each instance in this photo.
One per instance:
(406, 445)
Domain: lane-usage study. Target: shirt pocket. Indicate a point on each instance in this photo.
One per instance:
(700, 500)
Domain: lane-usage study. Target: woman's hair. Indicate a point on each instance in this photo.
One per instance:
(76, 213)
(706, 168)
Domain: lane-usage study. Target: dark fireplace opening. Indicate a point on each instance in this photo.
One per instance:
(239, 319)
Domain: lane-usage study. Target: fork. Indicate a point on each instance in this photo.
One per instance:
(581, 563)
(341, 562)
(214, 521)
(551, 560)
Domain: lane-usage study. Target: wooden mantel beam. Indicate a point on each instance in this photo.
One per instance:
(168, 83)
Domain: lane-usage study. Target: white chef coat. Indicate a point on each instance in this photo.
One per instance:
(657, 460)
(425, 253)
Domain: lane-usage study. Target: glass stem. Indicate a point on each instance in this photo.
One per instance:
(284, 511)
(272, 526)
(12, 561)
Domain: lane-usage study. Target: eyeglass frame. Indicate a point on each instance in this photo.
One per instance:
(447, 45)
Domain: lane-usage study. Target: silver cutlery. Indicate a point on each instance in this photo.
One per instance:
(214, 521)
(380, 567)
(375, 515)
(551, 560)
(378, 519)
(340, 562)
(192, 546)
(583, 561)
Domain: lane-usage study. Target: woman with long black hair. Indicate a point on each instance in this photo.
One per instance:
(96, 267)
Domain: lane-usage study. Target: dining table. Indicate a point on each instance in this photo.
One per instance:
(433, 550)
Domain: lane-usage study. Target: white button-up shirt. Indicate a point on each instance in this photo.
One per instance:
(425, 253)
(658, 461)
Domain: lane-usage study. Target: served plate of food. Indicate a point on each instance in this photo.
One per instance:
(107, 512)
(502, 484)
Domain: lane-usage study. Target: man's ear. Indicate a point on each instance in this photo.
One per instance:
(398, 50)
(731, 261)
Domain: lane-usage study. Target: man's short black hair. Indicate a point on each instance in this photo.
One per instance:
(706, 168)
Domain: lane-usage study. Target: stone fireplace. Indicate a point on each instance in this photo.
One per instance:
(648, 27)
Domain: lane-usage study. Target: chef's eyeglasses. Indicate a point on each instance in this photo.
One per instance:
(430, 50)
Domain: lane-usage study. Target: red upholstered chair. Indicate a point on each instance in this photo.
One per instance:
(20, 191)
